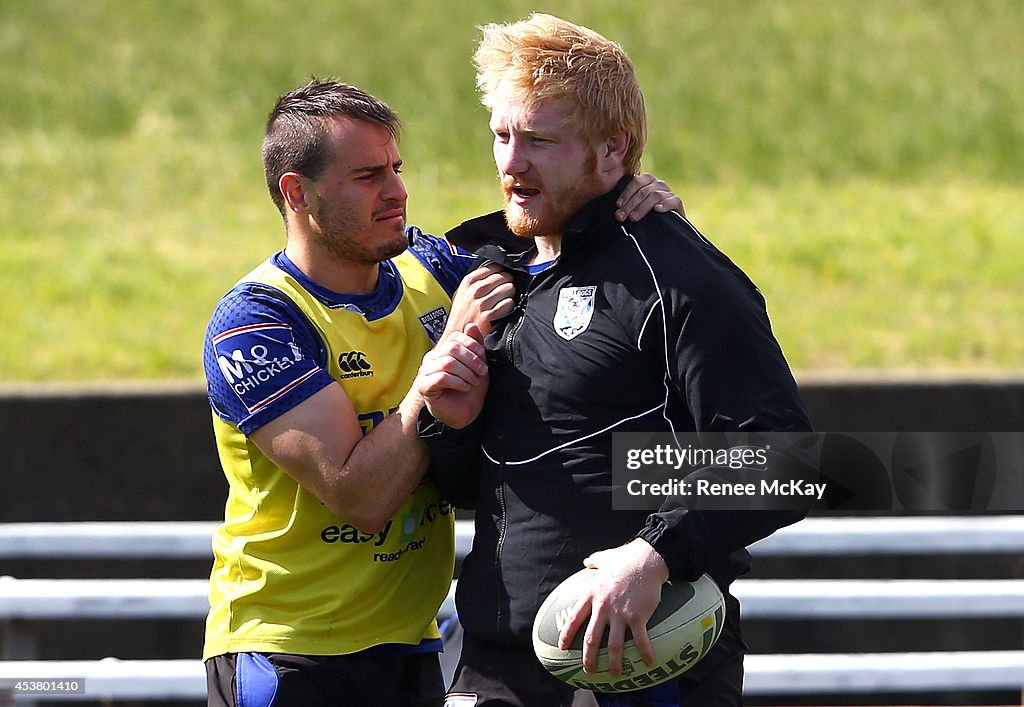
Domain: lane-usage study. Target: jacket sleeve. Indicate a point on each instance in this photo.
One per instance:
(454, 458)
(725, 366)
(691, 541)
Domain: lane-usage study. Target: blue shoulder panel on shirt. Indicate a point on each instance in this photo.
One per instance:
(448, 263)
(262, 357)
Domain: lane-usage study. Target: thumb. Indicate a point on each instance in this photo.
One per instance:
(474, 331)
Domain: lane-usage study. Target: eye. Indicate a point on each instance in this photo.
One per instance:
(501, 135)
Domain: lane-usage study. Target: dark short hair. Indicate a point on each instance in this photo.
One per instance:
(295, 139)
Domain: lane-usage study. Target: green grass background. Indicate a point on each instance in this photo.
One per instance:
(863, 160)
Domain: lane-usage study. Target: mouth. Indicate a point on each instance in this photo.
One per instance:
(521, 194)
(390, 216)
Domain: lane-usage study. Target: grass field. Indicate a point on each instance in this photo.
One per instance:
(862, 160)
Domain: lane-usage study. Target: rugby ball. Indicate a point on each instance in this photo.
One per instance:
(682, 630)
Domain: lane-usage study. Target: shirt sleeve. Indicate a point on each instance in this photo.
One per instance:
(262, 357)
(716, 341)
(726, 367)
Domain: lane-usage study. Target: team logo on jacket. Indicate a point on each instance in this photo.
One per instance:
(575, 310)
(434, 321)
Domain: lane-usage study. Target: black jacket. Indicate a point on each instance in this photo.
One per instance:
(676, 331)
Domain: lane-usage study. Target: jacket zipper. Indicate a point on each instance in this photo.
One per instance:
(503, 524)
(502, 528)
(514, 328)
(521, 309)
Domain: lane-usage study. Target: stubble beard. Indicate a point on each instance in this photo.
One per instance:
(336, 238)
(559, 207)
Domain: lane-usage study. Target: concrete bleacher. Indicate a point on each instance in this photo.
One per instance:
(863, 673)
(130, 451)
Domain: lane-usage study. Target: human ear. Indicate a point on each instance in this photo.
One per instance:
(293, 190)
(612, 154)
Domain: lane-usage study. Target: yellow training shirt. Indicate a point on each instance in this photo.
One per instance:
(289, 576)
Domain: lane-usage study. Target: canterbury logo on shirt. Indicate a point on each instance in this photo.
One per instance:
(353, 364)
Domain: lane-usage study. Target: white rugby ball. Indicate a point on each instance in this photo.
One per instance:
(682, 630)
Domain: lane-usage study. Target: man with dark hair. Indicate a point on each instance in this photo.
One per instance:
(335, 553)
(297, 130)
(635, 327)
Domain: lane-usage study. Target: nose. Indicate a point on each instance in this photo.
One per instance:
(509, 157)
(395, 189)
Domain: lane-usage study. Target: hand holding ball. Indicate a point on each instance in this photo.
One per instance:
(682, 630)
